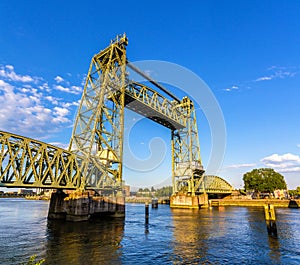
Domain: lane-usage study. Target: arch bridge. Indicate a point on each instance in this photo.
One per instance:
(94, 158)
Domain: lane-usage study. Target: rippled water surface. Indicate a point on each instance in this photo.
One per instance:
(231, 235)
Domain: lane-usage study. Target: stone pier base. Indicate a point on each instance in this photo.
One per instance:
(82, 206)
(188, 201)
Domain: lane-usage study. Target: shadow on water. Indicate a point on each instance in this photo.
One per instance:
(274, 247)
(94, 242)
(293, 204)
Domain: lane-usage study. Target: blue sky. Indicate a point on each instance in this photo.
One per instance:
(247, 52)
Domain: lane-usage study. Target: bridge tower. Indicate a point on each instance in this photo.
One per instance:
(98, 130)
(187, 166)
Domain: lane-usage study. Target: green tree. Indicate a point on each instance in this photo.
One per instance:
(263, 180)
(295, 192)
(164, 192)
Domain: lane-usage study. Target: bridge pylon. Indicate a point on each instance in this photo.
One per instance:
(99, 126)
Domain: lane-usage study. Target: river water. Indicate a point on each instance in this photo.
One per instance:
(231, 235)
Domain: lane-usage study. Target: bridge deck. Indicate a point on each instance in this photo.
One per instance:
(151, 104)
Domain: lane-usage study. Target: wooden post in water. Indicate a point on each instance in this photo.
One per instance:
(146, 212)
(270, 220)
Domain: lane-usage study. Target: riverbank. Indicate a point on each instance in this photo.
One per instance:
(162, 200)
(256, 202)
(228, 202)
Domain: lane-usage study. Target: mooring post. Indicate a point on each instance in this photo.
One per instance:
(270, 220)
(154, 203)
(146, 212)
(209, 204)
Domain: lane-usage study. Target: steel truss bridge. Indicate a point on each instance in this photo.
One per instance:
(95, 154)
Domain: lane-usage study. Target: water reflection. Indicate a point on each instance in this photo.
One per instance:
(84, 242)
(274, 253)
(189, 246)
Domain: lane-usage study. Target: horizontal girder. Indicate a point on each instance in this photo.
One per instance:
(149, 103)
(29, 163)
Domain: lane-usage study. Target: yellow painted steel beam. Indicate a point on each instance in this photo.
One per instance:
(213, 184)
(151, 104)
(99, 127)
(29, 163)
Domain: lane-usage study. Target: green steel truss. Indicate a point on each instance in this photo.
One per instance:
(214, 185)
(149, 103)
(29, 163)
(187, 169)
(98, 131)
(94, 159)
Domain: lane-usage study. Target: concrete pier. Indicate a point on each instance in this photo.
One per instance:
(82, 206)
(57, 205)
(189, 201)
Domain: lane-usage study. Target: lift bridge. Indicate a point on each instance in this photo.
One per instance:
(94, 158)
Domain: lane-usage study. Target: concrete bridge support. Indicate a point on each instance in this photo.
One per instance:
(189, 201)
(82, 206)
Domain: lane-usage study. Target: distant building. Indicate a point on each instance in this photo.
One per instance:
(25, 192)
(281, 194)
(126, 190)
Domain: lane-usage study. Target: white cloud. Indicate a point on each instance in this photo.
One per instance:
(264, 78)
(45, 87)
(61, 88)
(278, 72)
(61, 111)
(76, 89)
(61, 145)
(30, 105)
(275, 158)
(8, 72)
(240, 165)
(72, 89)
(231, 88)
(24, 110)
(60, 115)
(20, 112)
(283, 163)
(9, 67)
(58, 79)
(69, 104)
(52, 99)
(4, 85)
(60, 120)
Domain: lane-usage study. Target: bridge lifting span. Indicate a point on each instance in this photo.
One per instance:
(94, 159)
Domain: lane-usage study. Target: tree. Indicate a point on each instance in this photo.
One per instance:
(295, 192)
(264, 180)
(164, 191)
